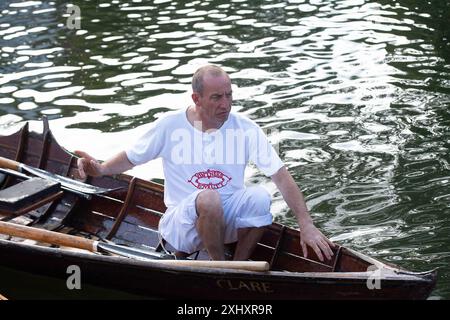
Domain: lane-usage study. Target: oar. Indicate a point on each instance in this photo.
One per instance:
(96, 246)
(26, 177)
(69, 184)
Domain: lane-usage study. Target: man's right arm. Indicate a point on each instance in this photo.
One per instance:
(87, 165)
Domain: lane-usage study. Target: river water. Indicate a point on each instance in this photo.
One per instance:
(354, 94)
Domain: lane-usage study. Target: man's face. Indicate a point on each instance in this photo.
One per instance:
(216, 100)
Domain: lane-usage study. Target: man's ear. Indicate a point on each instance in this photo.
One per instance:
(195, 97)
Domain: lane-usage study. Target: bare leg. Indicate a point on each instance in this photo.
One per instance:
(248, 238)
(210, 223)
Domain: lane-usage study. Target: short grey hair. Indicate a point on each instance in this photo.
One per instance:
(197, 78)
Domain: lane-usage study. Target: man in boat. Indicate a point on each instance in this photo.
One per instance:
(205, 149)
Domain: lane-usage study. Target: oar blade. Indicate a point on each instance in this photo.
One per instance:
(67, 182)
(133, 253)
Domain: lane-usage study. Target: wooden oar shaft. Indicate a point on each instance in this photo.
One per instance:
(46, 236)
(86, 244)
(244, 265)
(9, 164)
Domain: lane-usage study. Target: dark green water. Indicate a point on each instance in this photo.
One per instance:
(355, 94)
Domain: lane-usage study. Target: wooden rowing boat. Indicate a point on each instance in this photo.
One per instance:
(128, 218)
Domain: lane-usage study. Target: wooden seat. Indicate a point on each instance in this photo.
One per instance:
(28, 195)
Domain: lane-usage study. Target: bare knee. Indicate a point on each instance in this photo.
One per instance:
(209, 203)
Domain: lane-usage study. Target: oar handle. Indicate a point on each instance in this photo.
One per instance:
(9, 164)
(46, 236)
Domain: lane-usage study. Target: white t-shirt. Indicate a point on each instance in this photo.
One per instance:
(194, 160)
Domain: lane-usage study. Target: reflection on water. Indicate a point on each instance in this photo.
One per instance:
(357, 94)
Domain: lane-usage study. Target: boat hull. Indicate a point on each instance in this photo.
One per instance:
(126, 278)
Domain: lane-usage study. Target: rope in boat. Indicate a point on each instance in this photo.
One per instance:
(161, 243)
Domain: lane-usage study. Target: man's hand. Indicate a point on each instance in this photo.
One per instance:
(88, 165)
(310, 236)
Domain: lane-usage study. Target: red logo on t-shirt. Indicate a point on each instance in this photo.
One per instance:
(209, 179)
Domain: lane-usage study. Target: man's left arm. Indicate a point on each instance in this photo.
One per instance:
(309, 234)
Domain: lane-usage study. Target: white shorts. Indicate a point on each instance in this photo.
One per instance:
(249, 207)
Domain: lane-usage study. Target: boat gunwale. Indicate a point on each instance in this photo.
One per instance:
(267, 275)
